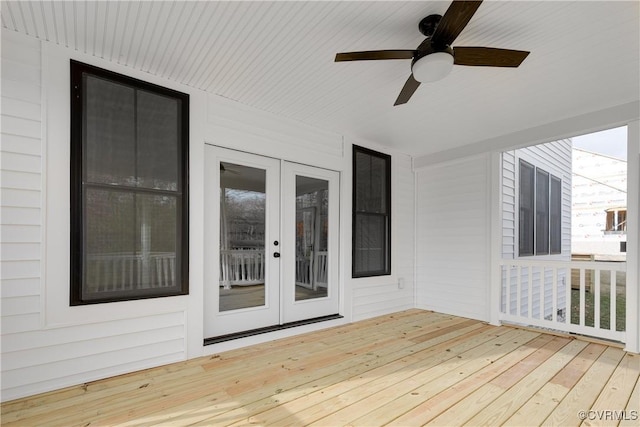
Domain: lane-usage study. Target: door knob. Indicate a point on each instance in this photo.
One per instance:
(276, 254)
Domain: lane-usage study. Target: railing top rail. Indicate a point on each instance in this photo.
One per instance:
(590, 265)
(117, 256)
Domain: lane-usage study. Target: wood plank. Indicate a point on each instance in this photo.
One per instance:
(547, 398)
(265, 412)
(515, 396)
(491, 402)
(632, 410)
(430, 407)
(359, 402)
(234, 370)
(403, 369)
(584, 394)
(615, 393)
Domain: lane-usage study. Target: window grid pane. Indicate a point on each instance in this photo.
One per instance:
(542, 212)
(130, 243)
(129, 145)
(371, 213)
(556, 215)
(526, 214)
(370, 250)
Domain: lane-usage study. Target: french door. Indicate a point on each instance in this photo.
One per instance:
(271, 242)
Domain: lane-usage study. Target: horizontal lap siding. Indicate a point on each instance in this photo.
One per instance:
(21, 182)
(553, 157)
(37, 358)
(452, 217)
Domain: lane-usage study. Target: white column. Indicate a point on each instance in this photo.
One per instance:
(633, 237)
(495, 236)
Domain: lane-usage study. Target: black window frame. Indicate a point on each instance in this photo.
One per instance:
(78, 220)
(386, 216)
(531, 242)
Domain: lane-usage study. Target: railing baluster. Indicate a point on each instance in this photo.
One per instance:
(507, 289)
(530, 294)
(543, 291)
(519, 292)
(132, 263)
(582, 295)
(172, 270)
(554, 295)
(165, 265)
(123, 272)
(612, 304)
(596, 299)
(114, 274)
(567, 299)
(158, 272)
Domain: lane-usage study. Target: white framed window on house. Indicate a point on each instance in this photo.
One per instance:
(371, 213)
(540, 211)
(129, 188)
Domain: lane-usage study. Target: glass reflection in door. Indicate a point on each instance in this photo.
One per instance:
(312, 221)
(242, 236)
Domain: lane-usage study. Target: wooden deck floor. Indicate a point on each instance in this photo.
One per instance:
(410, 368)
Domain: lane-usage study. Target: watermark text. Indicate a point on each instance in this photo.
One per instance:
(608, 415)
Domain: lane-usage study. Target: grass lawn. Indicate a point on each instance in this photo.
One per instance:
(605, 309)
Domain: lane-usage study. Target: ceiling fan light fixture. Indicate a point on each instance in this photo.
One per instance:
(432, 67)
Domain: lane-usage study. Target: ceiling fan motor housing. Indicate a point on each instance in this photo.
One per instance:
(427, 26)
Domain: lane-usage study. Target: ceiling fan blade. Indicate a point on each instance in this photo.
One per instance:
(488, 56)
(453, 22)
(375, 55)
(407, 91)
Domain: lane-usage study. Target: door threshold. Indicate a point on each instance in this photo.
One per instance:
(267, 329)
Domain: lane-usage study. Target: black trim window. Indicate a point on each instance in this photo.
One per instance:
(540, 203)
(371, 213)
(129, 188)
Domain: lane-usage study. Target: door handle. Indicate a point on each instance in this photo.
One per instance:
(276, 254)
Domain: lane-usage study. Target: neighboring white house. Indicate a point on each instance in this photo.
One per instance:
(599, 220)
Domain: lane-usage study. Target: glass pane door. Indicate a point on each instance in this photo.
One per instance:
(312, 219)
(310, 242)
(242, 232)
(271, 242)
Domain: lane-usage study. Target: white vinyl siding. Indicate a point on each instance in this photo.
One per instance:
(21, 167)
(36, 357)
(46, 343)
(452, 218)
(554, 158)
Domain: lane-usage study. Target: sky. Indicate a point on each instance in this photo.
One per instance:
(611, 142)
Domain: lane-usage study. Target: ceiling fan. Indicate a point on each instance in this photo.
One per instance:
(434, 57)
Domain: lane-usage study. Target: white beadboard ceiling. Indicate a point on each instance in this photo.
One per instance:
(278, 57)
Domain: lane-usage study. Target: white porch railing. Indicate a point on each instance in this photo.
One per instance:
(571, 296)
(312, 273)
(120, 272)
(241, 267)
